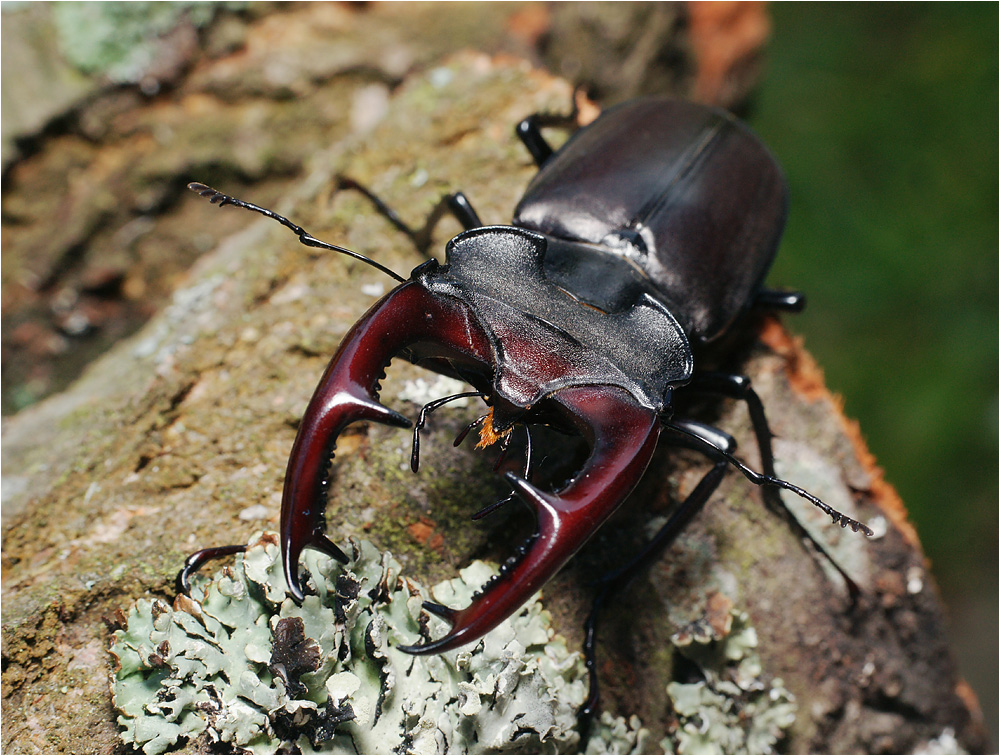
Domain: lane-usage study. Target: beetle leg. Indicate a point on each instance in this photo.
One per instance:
(198, 559)
(613, 583)
(455, 203)
(529, 131)
(409, 319)
(622, 435)
(785, 301)
(195, 561)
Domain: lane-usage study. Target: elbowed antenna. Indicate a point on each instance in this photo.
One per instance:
(769, 480)
(218, 198)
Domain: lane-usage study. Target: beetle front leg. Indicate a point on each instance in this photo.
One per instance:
(613, 583)
(195, 561)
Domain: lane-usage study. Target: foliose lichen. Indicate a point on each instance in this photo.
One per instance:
(238, 663)
(734, 707)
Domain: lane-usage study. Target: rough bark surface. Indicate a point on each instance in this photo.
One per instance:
(177, 438)
(94, 165)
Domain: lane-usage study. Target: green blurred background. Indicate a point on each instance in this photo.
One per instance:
(885, 119)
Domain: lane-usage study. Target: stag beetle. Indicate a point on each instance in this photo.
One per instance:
(638, 243)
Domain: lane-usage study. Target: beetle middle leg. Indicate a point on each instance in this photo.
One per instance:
(529, 131)
(784, 301)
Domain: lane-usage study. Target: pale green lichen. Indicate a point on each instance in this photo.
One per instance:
(118, 39)
(241, 664)
(945, 743)
(734, 708)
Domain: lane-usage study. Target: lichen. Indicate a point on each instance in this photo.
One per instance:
(117, 39)
(239, 663)
(734, 707)
(945, 743)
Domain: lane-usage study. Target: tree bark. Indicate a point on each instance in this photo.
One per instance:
(178, 437)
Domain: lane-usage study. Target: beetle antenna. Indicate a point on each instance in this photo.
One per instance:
(218, 198)
(769, 480)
